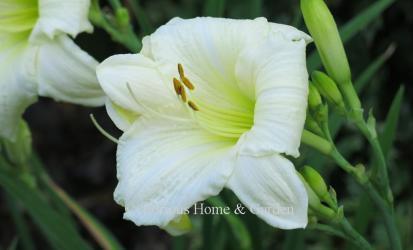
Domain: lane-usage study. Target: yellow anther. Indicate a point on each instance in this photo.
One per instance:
(193, 106)
(177, 86)
(183, 94)
(187, 83)
(181, 70)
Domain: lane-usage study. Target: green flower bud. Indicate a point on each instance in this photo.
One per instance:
(314, 203)
(19, 150)
(317, 184)
(323, 29)
(315, 180)
(314, 98)
(312, 125)
(122, 16)
(313, 200)
(327, 88)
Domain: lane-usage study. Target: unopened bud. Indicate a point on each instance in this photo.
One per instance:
(317, 184)
(19, 150)
(327, 88)
(323, 29)
(314, 98)
(180, 225)
(122, 17)
(312, 125)
(314, 203)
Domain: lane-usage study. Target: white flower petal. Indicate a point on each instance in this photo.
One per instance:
(58, 17)
(208, 49)
(151, 92)
(164, 168)
(121, 117)
(17, 91)
(270, 188)
(67, 73)
(277, 70)
(289, 32)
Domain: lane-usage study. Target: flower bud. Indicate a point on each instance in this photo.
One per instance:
(314, 203)
(180, 225)
(312, 125)
(314, 98)
(19, 150)
(327, 88)
(122, 16)
(317, 184)
(323, 29)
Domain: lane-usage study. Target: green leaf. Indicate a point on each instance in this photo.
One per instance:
(58, 232)
(214, 8)
(238, 228)
(386, 138)
(141, 17)
(20, 224)
(373, 68)
(352, 27)
(63, 202)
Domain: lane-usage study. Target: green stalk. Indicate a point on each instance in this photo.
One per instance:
(122, 33)
(380, 174)
(354, 236)
(360, 176)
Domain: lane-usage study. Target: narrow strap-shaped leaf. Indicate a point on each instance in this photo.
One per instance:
(214, 8)
(238, 228)
(352, 27)
(364, 78)
(140, 15)
(387, 137)
(105, 239)
(60, 234)
(25, 240)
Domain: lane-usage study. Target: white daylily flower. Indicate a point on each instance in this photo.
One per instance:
(38, 58)
(239, 105)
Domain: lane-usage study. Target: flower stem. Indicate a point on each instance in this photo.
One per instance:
(359, 174)
(380, 174)
(121, 33)
(354, 236)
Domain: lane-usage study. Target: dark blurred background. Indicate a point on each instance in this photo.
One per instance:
(82, 161)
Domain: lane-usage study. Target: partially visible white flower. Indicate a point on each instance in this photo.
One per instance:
(38, 58)
(223, 118)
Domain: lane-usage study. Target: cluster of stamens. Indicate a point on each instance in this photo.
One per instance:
(181, 85)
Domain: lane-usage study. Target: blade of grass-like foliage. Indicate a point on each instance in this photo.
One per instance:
(141, 17)
(364, 212)
(238, 228)
(214, 8)
(388, 135)
(364, 78)
(20, 223)
(60, 234)
(352, 27)
(105, 239)
(64, 202)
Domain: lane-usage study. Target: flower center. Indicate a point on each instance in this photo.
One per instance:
(228, 121)
(18, 16)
